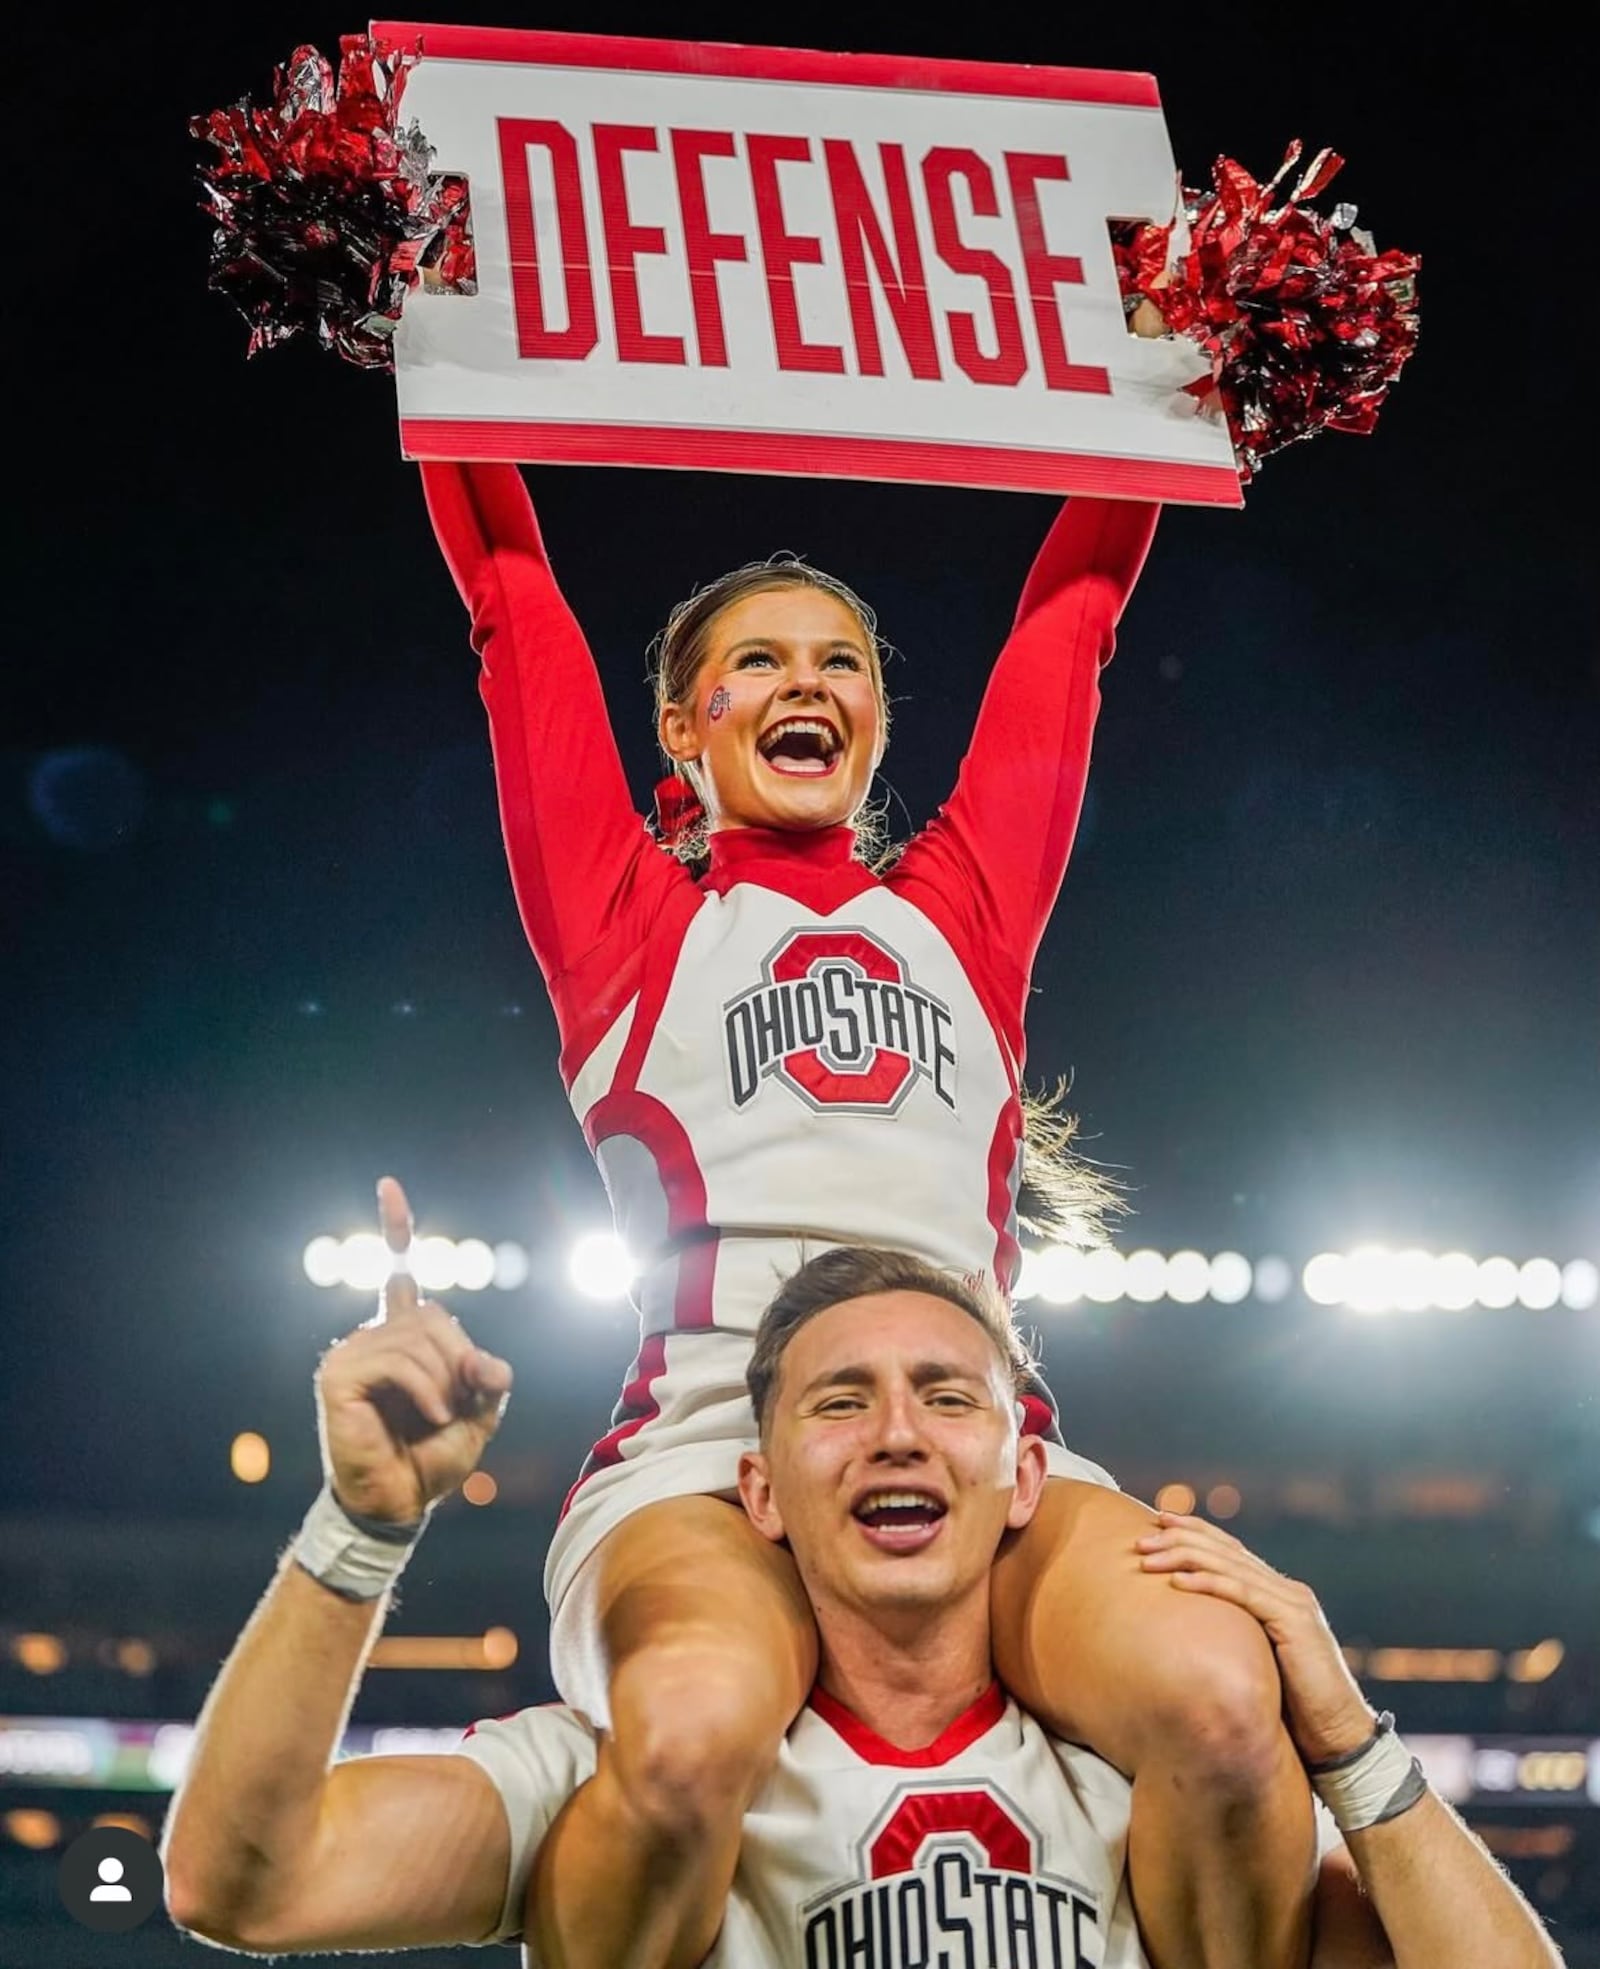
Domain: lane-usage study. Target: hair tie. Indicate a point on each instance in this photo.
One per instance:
(678, 810)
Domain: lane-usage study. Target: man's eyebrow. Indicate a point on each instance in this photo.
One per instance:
(857, 1374)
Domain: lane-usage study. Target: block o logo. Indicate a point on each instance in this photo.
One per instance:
(838, 1020)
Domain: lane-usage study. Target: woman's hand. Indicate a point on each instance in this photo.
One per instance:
(407, 1404)
(1323, 1704)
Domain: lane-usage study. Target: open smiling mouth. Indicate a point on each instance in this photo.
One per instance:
(900, 1520)
(802, 748)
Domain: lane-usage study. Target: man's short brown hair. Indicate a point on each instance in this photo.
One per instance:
(856, 1272)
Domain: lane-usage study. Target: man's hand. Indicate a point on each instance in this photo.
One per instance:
(406, 1405)
(1323, 1705)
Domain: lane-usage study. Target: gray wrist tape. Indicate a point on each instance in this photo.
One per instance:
(358, 1558)
(1371, 1785)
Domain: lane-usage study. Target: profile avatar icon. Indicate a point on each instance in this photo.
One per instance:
(110, 1871)
(110, 1879)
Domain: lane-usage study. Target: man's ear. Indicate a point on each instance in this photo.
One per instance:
(755, 1494)
(1032, 1471)
(679, 739)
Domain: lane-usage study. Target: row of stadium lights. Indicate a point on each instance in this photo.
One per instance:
(1370, 1279)
(250, 1459)
(495, 1649)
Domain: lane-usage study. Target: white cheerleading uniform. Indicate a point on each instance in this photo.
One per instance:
(996, 1847)
(790, 1053)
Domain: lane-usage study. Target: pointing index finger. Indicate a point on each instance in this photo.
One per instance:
(394, 1220)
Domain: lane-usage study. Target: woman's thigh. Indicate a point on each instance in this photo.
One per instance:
(685, 1580)
(1110, 1655)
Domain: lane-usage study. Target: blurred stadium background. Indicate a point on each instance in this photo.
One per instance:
(1324, 968)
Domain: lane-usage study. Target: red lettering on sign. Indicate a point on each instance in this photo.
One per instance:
(689, 150)
(1007, 366)
(535, 338)
(782, 251)
(1047, 271)
(900, 273)
(625, 241)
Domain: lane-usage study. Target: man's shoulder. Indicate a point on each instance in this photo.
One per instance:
(549, 1741)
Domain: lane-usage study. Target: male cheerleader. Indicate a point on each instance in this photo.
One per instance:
(917, 1818)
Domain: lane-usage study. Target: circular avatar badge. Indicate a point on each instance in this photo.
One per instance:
(110, 1879)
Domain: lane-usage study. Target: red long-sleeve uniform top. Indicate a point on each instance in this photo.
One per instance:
(790, 1051)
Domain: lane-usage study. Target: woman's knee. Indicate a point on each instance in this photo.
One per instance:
(695, 1727)
(1212, 1703)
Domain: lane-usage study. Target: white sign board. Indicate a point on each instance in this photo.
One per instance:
(764, 260)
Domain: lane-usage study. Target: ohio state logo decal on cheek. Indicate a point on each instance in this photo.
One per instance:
(953, 1878)
(838, 1020)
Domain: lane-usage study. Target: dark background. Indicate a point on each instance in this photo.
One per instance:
(1323, 970)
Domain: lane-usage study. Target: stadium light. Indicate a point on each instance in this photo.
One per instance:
(474, 1265)
(1058, 1275)
(1580, 1285)
(433, 1263)
(1370, 1279)
(1497, 1283)
(511, 1267)
(1538, 1284)
(323, 1261)
(1105, 1274)
(600, 1267)
(1455, 1282)
(364, 1261)
(1188, 1277)
(1230, 1278)
(1274, 1278)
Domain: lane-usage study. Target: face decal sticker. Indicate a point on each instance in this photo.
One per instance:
(721, 699)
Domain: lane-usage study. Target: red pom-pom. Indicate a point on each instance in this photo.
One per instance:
(1307, 325)
(325, 207)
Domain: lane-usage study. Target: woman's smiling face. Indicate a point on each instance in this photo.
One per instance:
(784, 720)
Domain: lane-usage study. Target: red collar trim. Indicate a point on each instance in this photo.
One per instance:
(971, 1724)
(821, 847)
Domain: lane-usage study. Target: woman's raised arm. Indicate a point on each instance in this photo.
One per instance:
(999, 847)
(577, 848)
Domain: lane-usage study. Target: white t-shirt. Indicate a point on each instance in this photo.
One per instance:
(995, 1847)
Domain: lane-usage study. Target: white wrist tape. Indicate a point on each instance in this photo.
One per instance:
(357, 1558)
(1373, 1784)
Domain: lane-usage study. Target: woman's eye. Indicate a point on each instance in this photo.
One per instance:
(847, 658)
(748, 658)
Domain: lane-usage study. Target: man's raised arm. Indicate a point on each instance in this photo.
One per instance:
(269, 1846)
(1429, 1881)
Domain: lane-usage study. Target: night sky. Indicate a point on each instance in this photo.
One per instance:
(1324, 967)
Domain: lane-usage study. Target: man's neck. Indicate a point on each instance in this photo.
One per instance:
(908, 1674)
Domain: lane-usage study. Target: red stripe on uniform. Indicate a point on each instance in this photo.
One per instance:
(960, 1735)
(690, 1238)
(636, 1407)
(1002, 1162)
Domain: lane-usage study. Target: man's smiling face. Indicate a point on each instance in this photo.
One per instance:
(891, 1461)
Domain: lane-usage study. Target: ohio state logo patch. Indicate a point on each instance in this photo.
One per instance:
(838, 1020)
(952, 1878)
